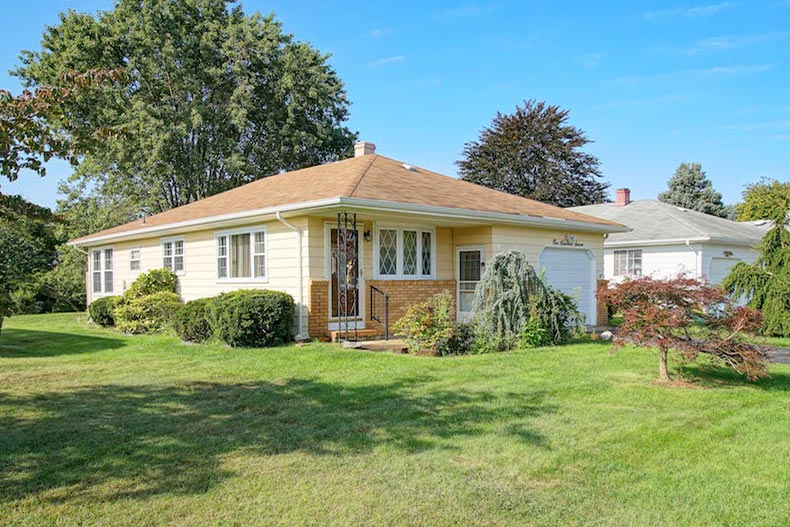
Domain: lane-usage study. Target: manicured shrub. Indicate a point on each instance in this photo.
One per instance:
(253, 318)
(430, 325)
(512, 301)
(192, 321)
(102, 310)
(154, 281)
(148, 313)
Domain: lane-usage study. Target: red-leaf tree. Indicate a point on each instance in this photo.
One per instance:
(29, 131)
(689, 317)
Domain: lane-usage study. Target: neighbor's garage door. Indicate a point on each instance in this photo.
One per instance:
(571, 271)
(719, 268)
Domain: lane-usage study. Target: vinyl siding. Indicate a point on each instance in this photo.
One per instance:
(532, 241)
(199, 278)
(667, 261)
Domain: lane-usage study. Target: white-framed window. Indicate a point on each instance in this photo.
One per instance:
(101, 271)
(241, 254)
(628, 262)
(405, 252)
(134, 259)
(173, 254)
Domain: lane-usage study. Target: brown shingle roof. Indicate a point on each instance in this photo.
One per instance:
(372, 177)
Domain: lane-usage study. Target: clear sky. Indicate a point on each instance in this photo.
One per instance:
(652, 83)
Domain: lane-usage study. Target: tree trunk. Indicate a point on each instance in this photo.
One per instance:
(663, 374)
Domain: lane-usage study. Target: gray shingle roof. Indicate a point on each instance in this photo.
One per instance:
(652, 221)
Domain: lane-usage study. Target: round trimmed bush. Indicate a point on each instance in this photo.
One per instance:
(192, 322)
(147, 314)
(102, 310)
(154, 281)
(253, 318)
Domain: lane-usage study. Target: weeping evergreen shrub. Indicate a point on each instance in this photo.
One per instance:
(766, 282)
(514, 306)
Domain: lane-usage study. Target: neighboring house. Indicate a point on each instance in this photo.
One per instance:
(419, 233)
(666, 240)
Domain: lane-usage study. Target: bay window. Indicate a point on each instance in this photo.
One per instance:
(101, 271)
(241, 255)
(404, 252)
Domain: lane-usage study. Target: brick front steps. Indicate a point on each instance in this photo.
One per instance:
(361, 334)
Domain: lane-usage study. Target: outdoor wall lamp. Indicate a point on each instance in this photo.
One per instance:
(367, 236)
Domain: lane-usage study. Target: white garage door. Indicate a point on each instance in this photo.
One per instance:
(572, 272)
(719, 268)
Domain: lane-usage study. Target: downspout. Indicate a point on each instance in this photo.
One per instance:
(300, 333)
(697, 262)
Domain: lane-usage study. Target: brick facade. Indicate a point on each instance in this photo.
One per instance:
(602, 307)
(403, 293)
(318, 308)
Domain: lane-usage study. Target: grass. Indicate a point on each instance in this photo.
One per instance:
(97, 428)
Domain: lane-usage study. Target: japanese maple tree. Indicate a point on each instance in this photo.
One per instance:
(690, 317)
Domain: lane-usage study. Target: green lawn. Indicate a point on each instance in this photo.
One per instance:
(97, 428)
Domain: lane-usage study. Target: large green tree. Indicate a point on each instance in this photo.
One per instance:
(27, 245)
(691, 189)
(212, 98)
(767, 281)
(536, 154)
(761, 199)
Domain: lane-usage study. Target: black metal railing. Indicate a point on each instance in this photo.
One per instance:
(380, 300)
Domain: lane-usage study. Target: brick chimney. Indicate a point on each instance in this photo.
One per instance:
(623, 197)
(364, 148)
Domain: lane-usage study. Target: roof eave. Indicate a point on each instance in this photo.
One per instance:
(679, 241)
(493, 217)
(359, 203)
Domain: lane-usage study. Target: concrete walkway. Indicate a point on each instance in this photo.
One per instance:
(779, 355)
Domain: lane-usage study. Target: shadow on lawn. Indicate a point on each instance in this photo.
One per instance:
(713, 376)
(21, 343)
(116, 442)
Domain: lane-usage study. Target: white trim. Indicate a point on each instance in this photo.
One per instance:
(359, 320)
(252, 279)
(172, 240)
(627, 251)
(399, 228)
(465, 316)
(139, 259)
(677, 241)
(593, 278)
(306, 207)
(102, 270)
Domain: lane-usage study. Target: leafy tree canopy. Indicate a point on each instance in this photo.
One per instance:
(536, 154)
(691, 189)
(767, 281)
(212, 99)
(27, 244)
(761, 200)
(28, 134)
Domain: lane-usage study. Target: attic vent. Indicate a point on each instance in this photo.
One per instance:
(410, 168)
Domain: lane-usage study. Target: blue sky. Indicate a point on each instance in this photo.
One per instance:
(652, 83)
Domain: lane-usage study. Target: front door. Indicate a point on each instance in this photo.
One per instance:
(346, 278)
(470, 265)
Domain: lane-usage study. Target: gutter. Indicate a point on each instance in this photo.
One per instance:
(679, 241)
(301, 334)
(359, 203)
